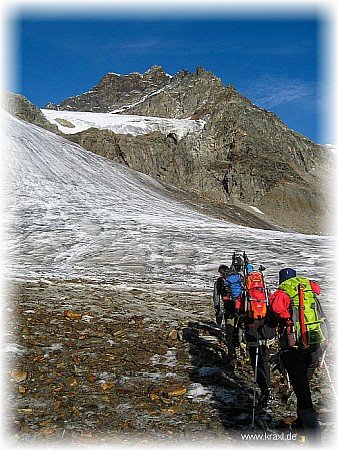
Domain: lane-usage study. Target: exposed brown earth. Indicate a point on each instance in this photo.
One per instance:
(102, 364)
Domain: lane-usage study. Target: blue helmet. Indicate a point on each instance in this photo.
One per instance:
(285, 274)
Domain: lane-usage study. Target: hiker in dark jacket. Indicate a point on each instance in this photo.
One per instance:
(299, 361)
(225, 310)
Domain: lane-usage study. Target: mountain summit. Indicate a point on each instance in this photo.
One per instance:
(114, 91)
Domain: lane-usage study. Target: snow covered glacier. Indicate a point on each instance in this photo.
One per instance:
(70, 122)
(73, 214)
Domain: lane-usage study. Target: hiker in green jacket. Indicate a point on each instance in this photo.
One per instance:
(301, 339)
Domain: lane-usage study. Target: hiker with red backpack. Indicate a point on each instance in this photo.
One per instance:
(227, 288)
(253, 313)
(303, 331)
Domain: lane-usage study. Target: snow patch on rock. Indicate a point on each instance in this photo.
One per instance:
(71, 122)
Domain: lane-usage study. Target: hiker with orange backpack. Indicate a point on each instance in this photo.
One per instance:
(253, 313)
(303, 330)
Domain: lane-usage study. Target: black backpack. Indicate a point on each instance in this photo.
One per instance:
(237, 262)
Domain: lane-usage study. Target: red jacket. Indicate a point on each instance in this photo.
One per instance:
(280, 301)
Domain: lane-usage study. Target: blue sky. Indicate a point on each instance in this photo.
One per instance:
(277, 64)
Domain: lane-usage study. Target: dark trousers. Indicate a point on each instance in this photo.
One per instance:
(230, 335)
(230, 328)
(300, 367)
(263, 369)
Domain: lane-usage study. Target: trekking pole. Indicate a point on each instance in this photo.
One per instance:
(233, 259)
(330, 379)
(322, 360)
(245, 268)
(223, 327)
(245, 273)
(323, 363)
(266, 290)
(255, 385)
(288, 380)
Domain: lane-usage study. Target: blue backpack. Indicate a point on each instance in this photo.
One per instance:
(234, 284)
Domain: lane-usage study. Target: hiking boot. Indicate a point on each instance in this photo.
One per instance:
(311, 427)
(297, 424)
(267, 398)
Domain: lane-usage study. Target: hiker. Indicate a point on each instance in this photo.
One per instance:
(257, 332)
(303, 329)
(227, 288)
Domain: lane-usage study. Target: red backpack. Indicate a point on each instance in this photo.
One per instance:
(256, 295)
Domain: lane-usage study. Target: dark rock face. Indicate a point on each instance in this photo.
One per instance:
(245, 156)
(263, 163)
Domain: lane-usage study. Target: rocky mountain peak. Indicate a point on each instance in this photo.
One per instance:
(157, 74)
(114, 91)
(153, 93)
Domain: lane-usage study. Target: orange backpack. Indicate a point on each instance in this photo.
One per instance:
(256, 295)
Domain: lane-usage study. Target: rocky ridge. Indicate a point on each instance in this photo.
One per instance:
(21, 107)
